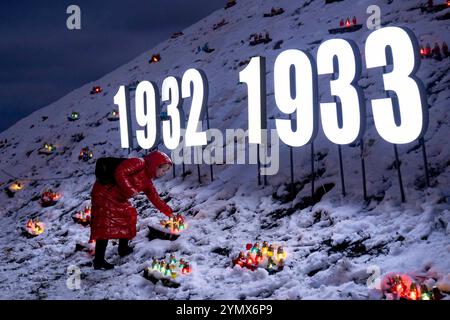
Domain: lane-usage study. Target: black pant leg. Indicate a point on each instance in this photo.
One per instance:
(123, 244)
(100, 249)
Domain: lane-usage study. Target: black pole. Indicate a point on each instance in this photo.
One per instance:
(182, 163)
(184, 169)
(207, 126)
(198, 172)
(211, 172)
(312, 170)
(363, 168)
(397, 165)
(292, 170)
(341, 168)
(173, 170)
(265, 160)
(425, 161)
(259, 166)
(265, 156)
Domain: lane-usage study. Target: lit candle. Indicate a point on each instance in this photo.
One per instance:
(280, 253)
(259, 257)
(270, 251)
(255, 248)
(264, 248)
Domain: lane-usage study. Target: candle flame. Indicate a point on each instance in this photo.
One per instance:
(347, 23)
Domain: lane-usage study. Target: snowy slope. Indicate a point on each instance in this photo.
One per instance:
(232, 211)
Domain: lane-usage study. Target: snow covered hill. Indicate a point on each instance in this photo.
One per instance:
(330, 244)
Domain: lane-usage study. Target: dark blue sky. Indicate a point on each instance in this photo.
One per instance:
(41, 60)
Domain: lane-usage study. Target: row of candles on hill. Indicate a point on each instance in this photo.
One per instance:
(401, 287)
(170, 268)
(267, 256)
(48, 198)
(85, 153)
(36, 227)
(174, 225)
(436, 52)
(113, 116)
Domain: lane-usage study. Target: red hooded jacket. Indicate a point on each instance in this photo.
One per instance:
(113, 216)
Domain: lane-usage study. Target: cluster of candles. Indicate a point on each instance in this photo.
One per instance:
(74, 116)
(155, 58)
(267, 256)
(16, 186)
(83, 216)
(96, 90)
(49, 197)
(34, 227)
(427, 52)
(347, 22)
(170, 268)
(431, 3)
(85, 154)
(402, 287)
(114, 115)
(175, 225)
(47, 148)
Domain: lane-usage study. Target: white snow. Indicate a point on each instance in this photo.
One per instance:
(233, 210)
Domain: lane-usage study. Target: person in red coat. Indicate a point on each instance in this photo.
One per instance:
(112, 215)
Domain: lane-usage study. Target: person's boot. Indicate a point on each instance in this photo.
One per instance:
(99, 261)
(124, 249)
(103, 265)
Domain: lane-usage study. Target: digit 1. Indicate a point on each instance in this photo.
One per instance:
(254, 75)
(122, 100)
